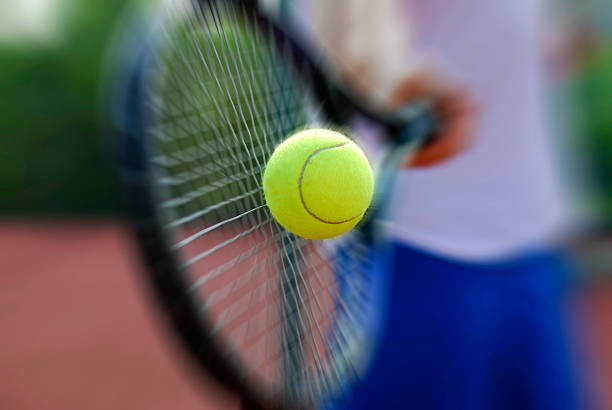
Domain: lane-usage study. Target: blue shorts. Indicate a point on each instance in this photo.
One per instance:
(471, 336)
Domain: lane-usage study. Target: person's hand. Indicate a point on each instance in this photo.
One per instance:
(453, 106)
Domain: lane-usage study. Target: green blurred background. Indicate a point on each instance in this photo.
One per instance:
(55, 159)
(593, 92)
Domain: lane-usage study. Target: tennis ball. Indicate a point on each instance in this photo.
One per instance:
(318, 184)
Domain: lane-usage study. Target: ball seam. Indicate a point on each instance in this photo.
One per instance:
(302, 178)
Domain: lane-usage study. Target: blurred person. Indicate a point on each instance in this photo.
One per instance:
(476, 316)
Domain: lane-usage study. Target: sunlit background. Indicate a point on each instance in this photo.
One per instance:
(76, 330)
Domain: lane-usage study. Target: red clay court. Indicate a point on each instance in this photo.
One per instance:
(79, 329)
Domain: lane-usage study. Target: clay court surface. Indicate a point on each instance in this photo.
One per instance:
(78, 329)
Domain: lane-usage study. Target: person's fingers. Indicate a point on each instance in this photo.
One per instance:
(457, 115)
(453, 107)
(420, 85)
(454, 142)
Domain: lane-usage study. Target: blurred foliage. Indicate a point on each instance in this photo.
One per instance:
(594, 91)
(54, 158)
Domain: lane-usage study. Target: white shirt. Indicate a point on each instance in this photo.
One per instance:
(503, 194)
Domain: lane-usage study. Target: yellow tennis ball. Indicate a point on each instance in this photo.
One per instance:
(318, 184)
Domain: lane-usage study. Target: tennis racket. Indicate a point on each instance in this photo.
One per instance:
(205, 97)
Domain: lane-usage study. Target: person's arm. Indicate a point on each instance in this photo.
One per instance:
(568, 36)
(372, 42)
(453, 106)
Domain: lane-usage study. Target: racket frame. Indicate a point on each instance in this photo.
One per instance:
(407, 128)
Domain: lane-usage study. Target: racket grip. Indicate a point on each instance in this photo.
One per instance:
(417, 124)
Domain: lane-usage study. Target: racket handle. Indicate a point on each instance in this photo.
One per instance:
(417, 122)
(416, 128)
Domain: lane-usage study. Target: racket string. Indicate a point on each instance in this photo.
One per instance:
(224, 101)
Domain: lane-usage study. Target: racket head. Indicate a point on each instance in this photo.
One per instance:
(281, 320)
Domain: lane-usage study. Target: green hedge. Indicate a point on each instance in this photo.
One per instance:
(53, 158)
(594, 103)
